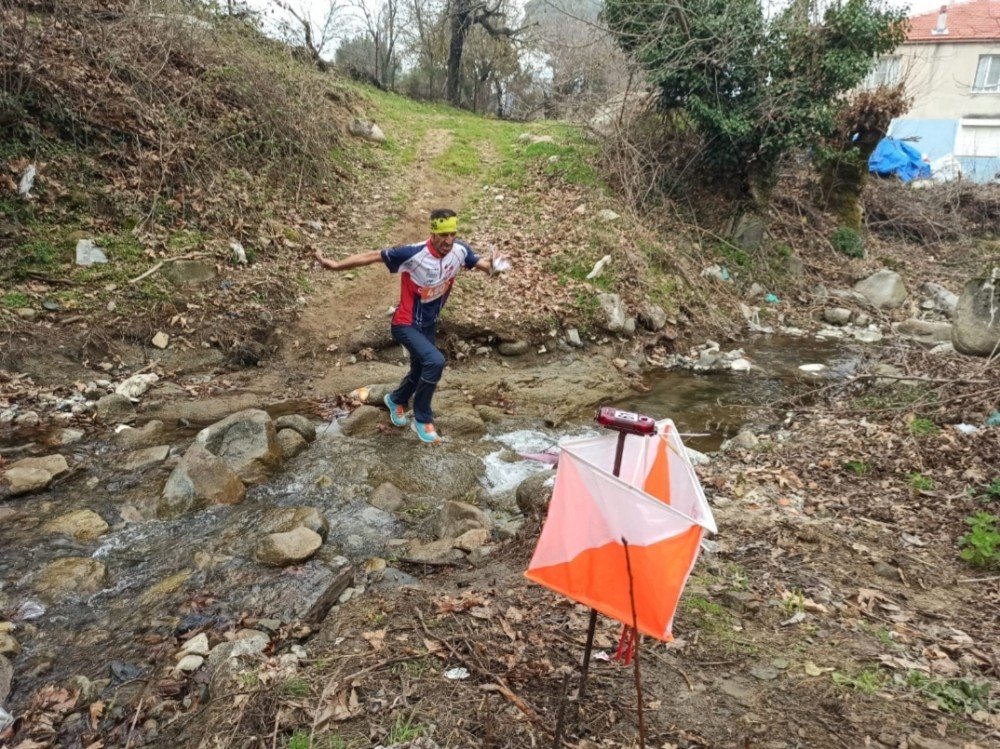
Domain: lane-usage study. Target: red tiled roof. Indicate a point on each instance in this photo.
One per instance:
(978, 20)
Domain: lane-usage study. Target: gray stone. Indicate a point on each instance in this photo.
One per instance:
(290, 547)
(31, 475)
(315, 588)
(916, 741)
(977, 317)
(283, 519)
(150, 434)
(837, 315)
(533, 494)
(387, 497)
(147, 457)
(628, 329)
(9, 645)
(884, 289)
(514, 348)
(300, 424)
(458, 517)
(83, 525)
(87, 253)
(434, 552)
(749, 231)
(247, 441)
(199, 479)
(745, 440)
(6, 677)
(363, 421)
(924, 331)
(472, 539)
(114, 409)
(882, 569)
(612, 312)
(189, 272)
(72, 575)
(420, 472)
(291, 443)
(573, 338)
(941, 298)
(606, 214)
(652, 317)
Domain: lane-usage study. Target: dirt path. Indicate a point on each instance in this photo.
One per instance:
(350, 310)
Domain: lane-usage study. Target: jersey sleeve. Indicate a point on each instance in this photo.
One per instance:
(394, 257)
(471, 258)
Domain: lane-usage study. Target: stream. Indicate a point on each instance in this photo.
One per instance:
(166, 577)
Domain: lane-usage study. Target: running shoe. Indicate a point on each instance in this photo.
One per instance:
(425, 432)
(397, 414)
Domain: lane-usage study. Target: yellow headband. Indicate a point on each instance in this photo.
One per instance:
(444, 225)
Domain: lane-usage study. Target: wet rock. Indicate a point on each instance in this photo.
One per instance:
(387, 497)
(420, 472)
(83, 525)
(612, 313)
(458, 517)
(72, 575)
(290, 547)
(300, 424)
(460, 422)
(8, 645)
(199, 479)
(247, 441)
(837, 315)
(150, 434)
(930, 333)
(122, 671)
(147, 457)
(65, 436)
(514, 348)
(363, 421)
(114, 409)
(6, 677)
(977, 317)
(533, 494)
(307, 595)
(189, 272)
(884, 289)
(291, 443)
(284, 519)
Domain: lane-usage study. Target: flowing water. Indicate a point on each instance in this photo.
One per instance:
(168, 576)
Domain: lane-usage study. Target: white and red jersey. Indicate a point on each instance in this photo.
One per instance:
(426, 278)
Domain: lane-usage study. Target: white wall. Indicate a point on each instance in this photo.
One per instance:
(939, 77)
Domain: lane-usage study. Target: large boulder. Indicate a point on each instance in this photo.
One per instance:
(533, 494)
(284, 519)
(884, 289)
(114, 409)
(248, 443)
(612, 312)
(363, 421)
(150, 434)
(925, 331)
(291, 443)
(976, 324)
(199, 479)
(299, 423)
(652, 317)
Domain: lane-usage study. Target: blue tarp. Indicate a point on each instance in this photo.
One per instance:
(896, 157)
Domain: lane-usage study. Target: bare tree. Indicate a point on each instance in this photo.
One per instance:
(383, 29)
(463, 15)
(313, 33)
(429, 43)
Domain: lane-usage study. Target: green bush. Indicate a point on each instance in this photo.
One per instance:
(847, 241)
(981, 545)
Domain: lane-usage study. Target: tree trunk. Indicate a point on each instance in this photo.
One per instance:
(461, 22)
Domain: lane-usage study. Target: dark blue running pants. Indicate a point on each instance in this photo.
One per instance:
(426, 366)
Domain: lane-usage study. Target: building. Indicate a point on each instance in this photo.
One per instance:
(950, 63)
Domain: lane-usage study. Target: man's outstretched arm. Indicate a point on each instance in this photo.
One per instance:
(351, 261)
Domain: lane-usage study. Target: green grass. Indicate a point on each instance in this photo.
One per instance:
(952, 695)
(296, 688)
(981, 545)
(858, 467)
(404, 728)
(866, 681)
(921, 427)
(14, 299)
(919, 482)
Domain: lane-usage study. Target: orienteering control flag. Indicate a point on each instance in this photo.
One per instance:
(656, 504)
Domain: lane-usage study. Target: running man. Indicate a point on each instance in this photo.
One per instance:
(427, 271)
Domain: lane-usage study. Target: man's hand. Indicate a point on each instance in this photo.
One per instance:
(499, 263)
(325, 262)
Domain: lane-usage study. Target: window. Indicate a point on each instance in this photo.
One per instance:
(885, 73)
(987, 75)
(978, 138)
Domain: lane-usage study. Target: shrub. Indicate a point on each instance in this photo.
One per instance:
(847, 241)
(981, 545)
